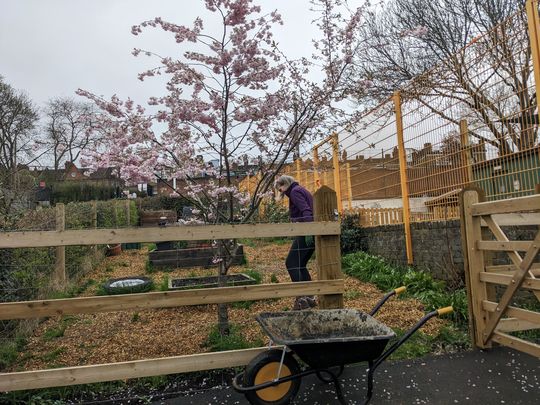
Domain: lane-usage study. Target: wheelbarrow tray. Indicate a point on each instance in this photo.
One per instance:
(327, 338)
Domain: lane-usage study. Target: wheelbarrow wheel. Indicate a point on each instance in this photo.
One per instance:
(264, 368)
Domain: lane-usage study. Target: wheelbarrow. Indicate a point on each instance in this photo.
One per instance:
(325, 340)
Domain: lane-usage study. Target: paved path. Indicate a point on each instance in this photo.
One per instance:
(498, 376)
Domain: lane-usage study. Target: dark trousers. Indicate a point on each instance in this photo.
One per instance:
(297, 259)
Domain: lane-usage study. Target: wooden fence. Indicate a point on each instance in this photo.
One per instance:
(329, 288)
(369, 217)
(492, 318)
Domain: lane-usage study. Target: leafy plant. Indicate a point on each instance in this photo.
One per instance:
(233, 341)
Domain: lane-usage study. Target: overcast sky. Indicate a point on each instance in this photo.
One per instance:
(49, 48)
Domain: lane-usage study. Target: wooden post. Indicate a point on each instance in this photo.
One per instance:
(59, 279)
(316, 178)
(471, 232)
(349, 187)
(534, 37)
(466, 152)
(403, 178)
(327, 247)
(337, 177)
(115, 213)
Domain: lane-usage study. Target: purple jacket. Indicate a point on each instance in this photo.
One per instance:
(300, 203)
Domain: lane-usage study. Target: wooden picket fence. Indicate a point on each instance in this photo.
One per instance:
(369, 217)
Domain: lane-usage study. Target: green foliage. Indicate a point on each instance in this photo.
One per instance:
(9, 351)
(54, 333)
(233, 341)
(135, 317)
(351, 237)
(52, 355)
(149, 267)
(420, 285)
(274, 213)
(164, 285)
(73, 191)
(254, 274)
(164, 203)
(273, 278)
(418, 345)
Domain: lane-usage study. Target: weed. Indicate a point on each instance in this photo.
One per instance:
(149, 267)
(254, 274)
(109, 268)
(9, 351)
(164, 285)
(233, 341)
(273, 278)
(54, 333)
(352, 294)
(135, 317)
(51, 356)
(242, 304)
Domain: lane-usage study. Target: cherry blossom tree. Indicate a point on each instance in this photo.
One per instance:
(229, 93)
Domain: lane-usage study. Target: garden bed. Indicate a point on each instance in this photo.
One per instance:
(190, 257)
(209, 282)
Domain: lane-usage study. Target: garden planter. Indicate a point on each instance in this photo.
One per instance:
(190, 257)
(209, 282)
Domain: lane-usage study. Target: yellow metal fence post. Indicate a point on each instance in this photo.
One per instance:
(466, 153)
(316, 179)
(534, 37)
(403, 177)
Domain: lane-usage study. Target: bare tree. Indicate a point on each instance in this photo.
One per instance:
(18, 118)
(474, 54)
(68, 129)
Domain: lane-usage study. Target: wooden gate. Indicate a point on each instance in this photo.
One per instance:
(492, 317)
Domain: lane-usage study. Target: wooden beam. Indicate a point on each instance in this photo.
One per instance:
(506, 279)
(166, 299)
(515, 325)
(518, 218)
(510, 246)
(527, 203)
(158, 234)
(517, 343)
(59, 277)
(505, 268)
(130, 369)
(513, 312)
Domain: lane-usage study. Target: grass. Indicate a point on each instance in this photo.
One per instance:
(233, 341)
(9, 351)
(53, 355)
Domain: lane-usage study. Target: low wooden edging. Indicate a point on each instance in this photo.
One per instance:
(59, 377)
(167, 299)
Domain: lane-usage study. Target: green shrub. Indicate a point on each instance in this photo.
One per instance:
(254, 274)
(351, 237)
(233, 341)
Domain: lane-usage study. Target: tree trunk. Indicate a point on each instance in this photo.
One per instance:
(223, 309)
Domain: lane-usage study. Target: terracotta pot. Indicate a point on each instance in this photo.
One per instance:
(114, 250)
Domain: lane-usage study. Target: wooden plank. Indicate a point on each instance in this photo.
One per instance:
(327, 248)
(527, 203)
(130, 369)
(505, 268)
(516, 245)
(166, 299)
(163, 234)
(337, 173)
(517, 343)
(506, 279)
(513, 312)
(474, 265)
(517, 218)
(514, 325)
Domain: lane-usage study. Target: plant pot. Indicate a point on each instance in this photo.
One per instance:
(114, 250)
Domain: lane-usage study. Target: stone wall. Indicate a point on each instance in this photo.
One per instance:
(436, 246)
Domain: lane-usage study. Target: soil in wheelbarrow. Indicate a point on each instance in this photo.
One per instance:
(134, 335)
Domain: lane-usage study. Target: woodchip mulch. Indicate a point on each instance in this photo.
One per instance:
(133, 335)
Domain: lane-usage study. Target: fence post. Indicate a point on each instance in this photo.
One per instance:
(316, 179)
(115, 213)
(337, 176)
(349, 186)
(94, 221)
(59, 279)
(534, 37)
(403, 177)
(471, 232)
(298, 168)
(327, 247)
(466, 152)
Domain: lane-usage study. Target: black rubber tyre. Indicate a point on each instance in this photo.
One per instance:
(264, 368)
(128, 285)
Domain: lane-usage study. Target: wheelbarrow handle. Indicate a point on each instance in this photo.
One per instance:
(379, 304)
(409, 333)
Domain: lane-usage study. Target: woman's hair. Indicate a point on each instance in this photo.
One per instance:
(284, 181)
